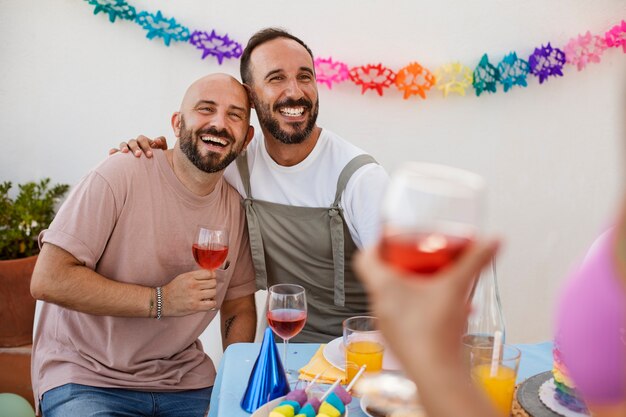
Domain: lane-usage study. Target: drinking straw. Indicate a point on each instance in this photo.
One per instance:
(358, 374)
(495, 357)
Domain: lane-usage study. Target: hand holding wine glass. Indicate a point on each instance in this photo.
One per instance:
(210, 247)
(286, 313)
(430, 214)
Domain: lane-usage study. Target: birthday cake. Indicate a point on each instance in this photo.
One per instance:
(565, 391)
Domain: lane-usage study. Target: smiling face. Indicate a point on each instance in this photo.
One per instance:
(283, 90)
(213, 124)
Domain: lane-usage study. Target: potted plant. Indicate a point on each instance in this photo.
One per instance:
(21, 220)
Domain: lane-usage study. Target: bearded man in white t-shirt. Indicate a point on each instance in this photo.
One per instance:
(311, 197)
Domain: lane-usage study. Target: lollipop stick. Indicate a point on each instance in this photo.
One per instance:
(313, 381)
(332, 387)
(358, 374)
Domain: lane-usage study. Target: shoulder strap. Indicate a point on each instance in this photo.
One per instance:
(244, 171)
(336, 227)
(352, 166)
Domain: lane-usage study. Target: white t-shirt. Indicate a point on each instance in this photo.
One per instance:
(313, 182)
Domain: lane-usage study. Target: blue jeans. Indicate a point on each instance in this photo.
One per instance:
(75, 400)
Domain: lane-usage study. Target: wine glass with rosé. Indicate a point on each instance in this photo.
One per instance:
(286, 313)
(430, 215)
(210, 246)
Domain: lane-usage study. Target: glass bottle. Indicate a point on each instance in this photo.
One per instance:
(486, 310)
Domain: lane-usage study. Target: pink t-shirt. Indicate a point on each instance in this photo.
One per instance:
(132, 221)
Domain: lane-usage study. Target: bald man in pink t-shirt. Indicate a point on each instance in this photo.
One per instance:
(124, 301)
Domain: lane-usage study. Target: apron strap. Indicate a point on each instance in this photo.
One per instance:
(244, 172)
(352, 166)
(337, 226)
(254, 228)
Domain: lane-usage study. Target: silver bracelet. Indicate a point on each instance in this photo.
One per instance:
(159, 302)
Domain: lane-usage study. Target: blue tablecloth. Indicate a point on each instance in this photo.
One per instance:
(238, 360)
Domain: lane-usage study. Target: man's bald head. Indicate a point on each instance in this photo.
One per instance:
(213, 124)
(220, 84)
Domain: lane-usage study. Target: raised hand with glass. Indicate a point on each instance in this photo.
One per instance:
(430, 214)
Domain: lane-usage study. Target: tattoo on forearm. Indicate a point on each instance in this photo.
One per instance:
(229, 324)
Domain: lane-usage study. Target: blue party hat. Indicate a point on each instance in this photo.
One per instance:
(267, 380)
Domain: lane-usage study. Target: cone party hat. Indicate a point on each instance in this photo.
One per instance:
(267, 380)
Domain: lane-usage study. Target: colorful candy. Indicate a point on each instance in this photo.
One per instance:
(343, 395)
(331, 404)
(334, 400)
(282, 411)
(314, 403)
(328, 410)
(298, 395)
(308, 411)
(293, 404)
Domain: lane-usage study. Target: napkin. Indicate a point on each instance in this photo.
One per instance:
(319, 364)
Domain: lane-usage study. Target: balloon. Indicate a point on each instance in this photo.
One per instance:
(12, 405)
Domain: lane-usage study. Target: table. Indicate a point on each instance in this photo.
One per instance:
(238, 360)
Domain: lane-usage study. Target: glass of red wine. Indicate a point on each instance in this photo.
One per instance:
(286, 314)
(210, 246)
(430, 214)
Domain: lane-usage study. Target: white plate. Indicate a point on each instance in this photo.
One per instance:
(264, 410)
(546, 395)
(365, 402)
(334, 353)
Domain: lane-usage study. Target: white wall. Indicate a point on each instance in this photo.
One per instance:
(72, 85)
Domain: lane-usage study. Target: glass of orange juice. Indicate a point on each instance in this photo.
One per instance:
(363, 344)
(496, 374)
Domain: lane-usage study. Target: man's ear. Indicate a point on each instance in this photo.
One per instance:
(249, 137)
(249, 91)
(176, 118)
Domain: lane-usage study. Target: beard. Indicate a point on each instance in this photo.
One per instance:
(211, 162)
(300, 133)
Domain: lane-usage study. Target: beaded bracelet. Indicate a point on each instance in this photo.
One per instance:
(159, 302)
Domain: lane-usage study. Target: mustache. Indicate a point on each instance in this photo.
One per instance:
(214, 132)
(301, 102)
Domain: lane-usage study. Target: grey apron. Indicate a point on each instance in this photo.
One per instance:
(309, 246)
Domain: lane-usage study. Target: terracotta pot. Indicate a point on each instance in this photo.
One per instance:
(17, 307)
